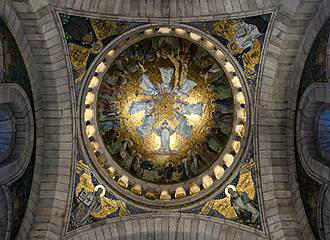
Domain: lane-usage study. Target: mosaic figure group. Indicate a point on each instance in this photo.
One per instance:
(160, 75)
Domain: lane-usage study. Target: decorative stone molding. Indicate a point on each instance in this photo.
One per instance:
(18, 103)
(313, 103)
(284, 60)
(323, 133)
(170, 226)
(176, 10)
(9, 15)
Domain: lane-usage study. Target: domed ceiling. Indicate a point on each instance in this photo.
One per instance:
(165, 110)
(164, 115)
(175, 113)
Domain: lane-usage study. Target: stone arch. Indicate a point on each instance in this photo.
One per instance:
(316, 95)
(36, 45)
(283, 67)
(47, 205)
(10, 18)
(167, 9)
(158, 226)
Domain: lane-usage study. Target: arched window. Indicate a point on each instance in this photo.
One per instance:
(323, 130)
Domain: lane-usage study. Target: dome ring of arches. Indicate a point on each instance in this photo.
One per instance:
(146, 194)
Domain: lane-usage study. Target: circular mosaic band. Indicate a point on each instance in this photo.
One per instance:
(151, 194)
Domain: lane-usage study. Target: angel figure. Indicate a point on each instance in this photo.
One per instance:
(237, 203)
(242, 205)
(246, 34)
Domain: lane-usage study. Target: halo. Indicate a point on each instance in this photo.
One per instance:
(227, 188)
(103, 190)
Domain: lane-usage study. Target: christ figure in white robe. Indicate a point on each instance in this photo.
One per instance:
(165, 132)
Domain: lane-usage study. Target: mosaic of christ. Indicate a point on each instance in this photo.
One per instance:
(165, 110)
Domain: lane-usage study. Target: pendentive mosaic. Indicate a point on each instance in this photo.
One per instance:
(86, 37)
(13, 70)
(92, 200)
(244, 38)
(239, 200)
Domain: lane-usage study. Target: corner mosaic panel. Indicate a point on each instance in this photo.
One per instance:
(239, 201)
(93, 202)
(244, 38)
(86, 37)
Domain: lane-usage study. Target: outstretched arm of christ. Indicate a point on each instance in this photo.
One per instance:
(171, 130)
(158, 131)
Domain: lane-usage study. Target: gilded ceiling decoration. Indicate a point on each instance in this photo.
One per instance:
(244, 38)
(165, 118)
(86, 37)
(92, 202)
(238, 201)
(165, 110)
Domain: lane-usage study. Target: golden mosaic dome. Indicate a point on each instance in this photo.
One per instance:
(164, 111)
